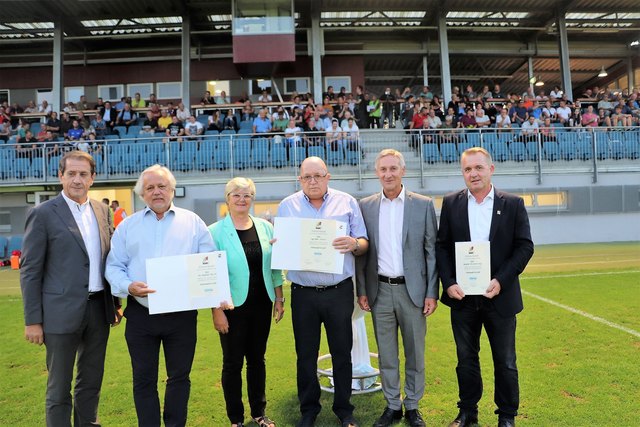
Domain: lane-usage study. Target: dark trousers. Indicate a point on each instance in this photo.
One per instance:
(144, 334)
(89, 345)
(309, 310)
(249, 326)
(467, 325)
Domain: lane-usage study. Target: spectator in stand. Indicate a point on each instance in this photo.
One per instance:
(65, 125)
(468, 121)
(230, 122)
(619, 119)
(334, 136)
(329, 93)
(518, 113)
(482, 121)
(75, 132)
(536, 111)
(312, 134)
(547, 131)
(120, 105)
(127, 116)
(99, 104)
(319, 121)
(150, 126)
(5, 131)
(351, 134)
(109, 114)
(31, 108)
(292, 134)
(262, 124)
(486, 93)
(223, 98)
(426, 93)
(341, 108)
(53, 124)
(45, 107)
(309, 112)
(153, 100)
(280, 120)
(70, 107)
(432, 121)
(214, 122)
(406, 113)
(248, 113)
(25, 146)
(164, 121)
(549, 112)
(182, 113)
(361, 113)
(375, 112)
(175, 130)
(4, 116)
(42, 133)
(529, 130)
(541, 96)
(388, 101)
(138, 102)
(455, 120)
(343, 92)
(193, 128)
(82, 120)
(590, 119)
(436, 104)
(264, 96)
(21, 130)
(575, 120)
(172, 111)
(417, 122)
(603, 118)
(556, 93)
(328, 119)
(343, 123)
(563, 113)
(470, 94)
(503, 122)
(207, 99)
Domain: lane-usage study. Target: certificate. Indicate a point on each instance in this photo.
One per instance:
(473, 267)
(306, 245)
(188, 282)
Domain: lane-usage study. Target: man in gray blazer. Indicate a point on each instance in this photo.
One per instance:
(397, 281)
(67, 303)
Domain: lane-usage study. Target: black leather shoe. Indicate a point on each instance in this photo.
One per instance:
(464, 419)
(307, 421)
(506, 422)
(414, 418)
(388, 417)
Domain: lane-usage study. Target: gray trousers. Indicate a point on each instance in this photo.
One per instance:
(89, 344)
(393, 310)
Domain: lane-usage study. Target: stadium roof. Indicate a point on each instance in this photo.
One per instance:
(490, 40)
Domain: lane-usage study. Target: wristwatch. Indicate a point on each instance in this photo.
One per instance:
(357, 245)
(280, 299)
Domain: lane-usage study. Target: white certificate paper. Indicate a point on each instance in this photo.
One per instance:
(188, 282)
(305, 245)
(473, 267)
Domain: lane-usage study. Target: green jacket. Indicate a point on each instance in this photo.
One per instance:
(226, 239)
(377, 112)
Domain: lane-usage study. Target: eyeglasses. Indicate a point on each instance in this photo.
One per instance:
(309, 178)
(241, 196)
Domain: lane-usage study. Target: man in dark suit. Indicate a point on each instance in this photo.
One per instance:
(397, 281)
(68, 305)
(482, 213)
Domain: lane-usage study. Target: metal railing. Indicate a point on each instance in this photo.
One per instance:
(275, 157)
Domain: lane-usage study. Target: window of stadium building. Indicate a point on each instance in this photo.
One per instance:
(263, 17)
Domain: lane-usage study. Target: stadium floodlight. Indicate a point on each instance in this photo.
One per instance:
(603, 72)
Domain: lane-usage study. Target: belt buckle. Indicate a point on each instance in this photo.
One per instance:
(320, 288)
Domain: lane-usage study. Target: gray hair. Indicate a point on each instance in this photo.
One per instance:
(239, 183)
(390, 152)
(139, 189)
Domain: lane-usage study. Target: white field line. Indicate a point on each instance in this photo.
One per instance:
(610, 254)
(603, 273)
(613, 261)
(580, 312)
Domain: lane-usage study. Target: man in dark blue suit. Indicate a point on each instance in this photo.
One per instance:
(482, 213)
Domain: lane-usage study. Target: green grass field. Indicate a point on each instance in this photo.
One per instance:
(578, 354)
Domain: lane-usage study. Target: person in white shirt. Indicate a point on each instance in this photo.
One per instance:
(193, 128)
(183, 113)
(503, 121)
(563, 112)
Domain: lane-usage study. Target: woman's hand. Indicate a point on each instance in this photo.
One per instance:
(220, 321)
(278, 310)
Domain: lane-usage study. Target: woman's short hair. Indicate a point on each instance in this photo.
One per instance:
(239, 183)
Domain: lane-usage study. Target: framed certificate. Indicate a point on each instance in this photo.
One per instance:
(473, 267)
(188, 282)
(306, 245)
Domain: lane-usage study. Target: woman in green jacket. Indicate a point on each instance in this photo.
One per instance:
(254, 289)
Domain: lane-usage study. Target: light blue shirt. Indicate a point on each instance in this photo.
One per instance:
(142, 236)
(338, 206)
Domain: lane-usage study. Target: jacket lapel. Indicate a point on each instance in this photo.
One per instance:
(498, 212)
(406, 220)
(232, 235)
(104, 232)
(463, 211)
(63, 211)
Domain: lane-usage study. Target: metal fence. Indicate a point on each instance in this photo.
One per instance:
(219, 156)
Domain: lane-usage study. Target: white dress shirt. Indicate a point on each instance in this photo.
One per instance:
(390, 220)
(480, 216)
(88, 225)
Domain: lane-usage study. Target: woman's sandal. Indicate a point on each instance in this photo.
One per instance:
(240, 424)
(264, 421)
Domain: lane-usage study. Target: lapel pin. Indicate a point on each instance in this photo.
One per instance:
(497, 212)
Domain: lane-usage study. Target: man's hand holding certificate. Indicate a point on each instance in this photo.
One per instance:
(307, 245)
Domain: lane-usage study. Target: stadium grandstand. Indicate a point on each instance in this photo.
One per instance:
(215, 89)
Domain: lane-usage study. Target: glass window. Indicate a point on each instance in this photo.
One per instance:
(558, 199)
(298, 84)
(145, 89)
(5, 222)
(263, 17)
(73, 94)
(4, 96)
(169, 90)
(111, 92)
(337, 82)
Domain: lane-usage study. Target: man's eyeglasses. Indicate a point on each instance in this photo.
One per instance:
(309, 178)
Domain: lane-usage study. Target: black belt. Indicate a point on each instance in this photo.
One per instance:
(96, 295)
(321, 288)
(391, 280)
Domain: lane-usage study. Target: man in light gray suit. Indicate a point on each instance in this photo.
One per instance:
(397, 281)
(67, 302)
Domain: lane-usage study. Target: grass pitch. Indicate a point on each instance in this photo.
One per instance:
(578, 354)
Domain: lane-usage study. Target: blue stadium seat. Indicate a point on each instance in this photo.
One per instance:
(335, 156)
(221, 154)
(430, 153)
(632, 145)
(603, 145)
(122, 130)
(518, 151)
(566, 146)
(499, 151)
(317, 151)
(297, 155)
(449, 152)
(116, 153)
(52, 169)
(551, 151)
(473, 139)
(260, 153)
(584, 148)
(38, 165)
(15, 243)
(204, 119)
(21, 167)
(205, 155)
(241, 153)
(7, 157)
(4, 244)
(278, 155)
(133, 131)
(183, 155)
(153, 154)
(211, 132)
